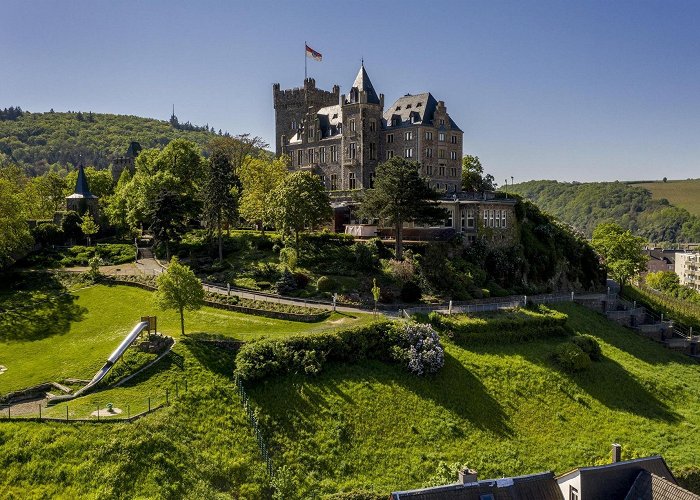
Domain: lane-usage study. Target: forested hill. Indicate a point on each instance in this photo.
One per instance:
(585, 205)
(37, 140)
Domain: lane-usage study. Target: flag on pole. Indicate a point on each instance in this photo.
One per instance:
(316, 56)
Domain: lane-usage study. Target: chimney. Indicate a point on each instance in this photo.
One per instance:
(466, 475)
(616, 452)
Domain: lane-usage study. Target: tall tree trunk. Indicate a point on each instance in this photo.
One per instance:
(221, 241)
(296, 244)
(182, 321)
(399, 240)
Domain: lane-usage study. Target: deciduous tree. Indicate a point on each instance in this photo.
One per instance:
(300, 201)
(15, 238)
(89, 227)
(179, 289)
(168, 215)
(473, 178)
(259, 178)
(622, 252)
(401, 195)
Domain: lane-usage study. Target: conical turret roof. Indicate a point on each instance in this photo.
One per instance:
(362, 82)
(81, 185)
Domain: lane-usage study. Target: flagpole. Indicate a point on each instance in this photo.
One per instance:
(304, 60)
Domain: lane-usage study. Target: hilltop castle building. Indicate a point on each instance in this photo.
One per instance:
(126, 162)
(343, 137)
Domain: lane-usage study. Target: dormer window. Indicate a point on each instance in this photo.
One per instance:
(419, 104)
(408, 106)
(398, 108)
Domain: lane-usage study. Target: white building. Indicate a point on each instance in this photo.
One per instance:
(688, 269)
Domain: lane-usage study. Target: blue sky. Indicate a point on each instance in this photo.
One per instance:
(585, 90)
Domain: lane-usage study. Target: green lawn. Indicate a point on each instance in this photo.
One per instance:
(501, 409)
(106, 314)
(684, 194)
(201, 446)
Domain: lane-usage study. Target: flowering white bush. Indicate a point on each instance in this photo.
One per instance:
(422, 350)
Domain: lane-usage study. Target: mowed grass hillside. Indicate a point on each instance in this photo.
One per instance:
(501, 409)
(684, 194)
(101, 316)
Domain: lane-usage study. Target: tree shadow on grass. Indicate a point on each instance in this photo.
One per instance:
(37, 309)
(455, 388)
(215, 354)
(606, 381)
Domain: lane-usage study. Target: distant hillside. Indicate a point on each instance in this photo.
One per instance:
(586, 205)
(684, 194)
(37, 140)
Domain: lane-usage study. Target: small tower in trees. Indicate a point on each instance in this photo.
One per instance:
(82, 200)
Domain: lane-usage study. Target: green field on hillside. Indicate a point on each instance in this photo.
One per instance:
(684, 194)
(501, 408)
(105, 316)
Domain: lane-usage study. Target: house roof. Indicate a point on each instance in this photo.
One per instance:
(362, 82)
(649, 486)
(541, 486)
(613, 481)
(329, 118)
(414, 109)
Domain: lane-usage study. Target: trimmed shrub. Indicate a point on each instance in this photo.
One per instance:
(518, 325)
(571, 358)
(325, 284)
(589, 345)
(301, 280)
(309, 353)
(411, 292)
(287, 283)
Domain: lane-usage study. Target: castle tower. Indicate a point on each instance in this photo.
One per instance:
(128, 161)
(82, 200)
(362, 124)
(294, 106)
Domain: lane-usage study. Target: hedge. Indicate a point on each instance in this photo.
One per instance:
(309, 353)
(520, 325)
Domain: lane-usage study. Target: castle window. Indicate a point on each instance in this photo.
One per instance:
(491, 217)
(322, 154)
(442, 122)
(498, 219)
(429, 152)
(448, 221)
(453, 171)
(453, 155)
(352, 125)
(408, 153)
(442, 170)
(470, 217)
(371, 180)
(441, 137)
(429, 170)
(311, 134)
(372, 151)
(428, 136)
(353, 150)
(294, 125)
(409, 135)
(300, 157)
(334, 182)
(372, 125)
(389, 138)
(503, 219)
(441, 153)
(334, 154)
(486, 218)
(454, 139)
(340, 128)
(352, 181)
(311, 155)
(389, 154)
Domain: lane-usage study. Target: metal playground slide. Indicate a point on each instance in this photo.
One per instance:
(102, 373)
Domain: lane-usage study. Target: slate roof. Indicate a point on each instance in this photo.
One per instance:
(613, 481)
(362, 82)
(540, 486)
(81, 186)
(134, 149)
(414, 109)
(649, 486)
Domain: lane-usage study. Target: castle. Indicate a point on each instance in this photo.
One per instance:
(343, 137)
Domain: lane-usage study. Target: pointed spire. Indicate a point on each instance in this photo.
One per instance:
(81, 185)
(362, 82)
